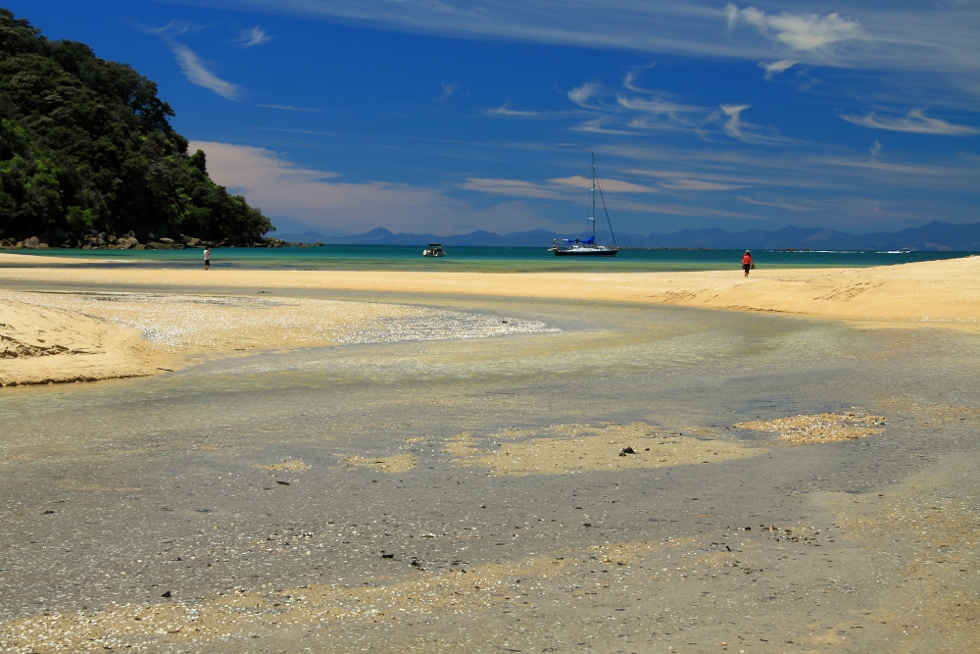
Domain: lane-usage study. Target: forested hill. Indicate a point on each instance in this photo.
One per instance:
(86, 147)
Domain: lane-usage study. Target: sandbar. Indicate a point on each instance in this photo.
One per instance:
(97, 346)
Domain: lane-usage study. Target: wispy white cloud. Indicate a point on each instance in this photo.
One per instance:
(253, 37)
(634, 110)
(287, 107)
(804, 171)
(174, 28)
(505, 111)
(700, 185)
(511, 187)
(553, 189)
(689, 180)
(606, 115)
(801, 32)
(616, 112)
(517, 188)
(659, 112)
(198, 73)
(581, 95)
(319, 200)
(630, 77)
(779, 204)
(733, 126)
(916, 122)
(195, 70)
(912, 170)
(730, 117)
(603, 125)
(610, 185)
(876, 148)
(898, 36)
(700, 180)
(777, 67)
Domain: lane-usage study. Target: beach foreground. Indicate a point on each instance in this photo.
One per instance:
(394, 462)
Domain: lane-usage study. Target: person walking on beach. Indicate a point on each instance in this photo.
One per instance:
(747, 262)
(207, 258)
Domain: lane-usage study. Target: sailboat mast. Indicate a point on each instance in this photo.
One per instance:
(592, 215)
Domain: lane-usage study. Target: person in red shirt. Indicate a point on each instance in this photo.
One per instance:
(747, 262)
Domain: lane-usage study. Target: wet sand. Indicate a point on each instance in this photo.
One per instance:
(92, 335)
(809, 485)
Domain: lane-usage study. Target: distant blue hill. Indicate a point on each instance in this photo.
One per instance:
(934, 236)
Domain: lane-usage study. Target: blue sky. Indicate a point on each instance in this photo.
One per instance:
(445, 117)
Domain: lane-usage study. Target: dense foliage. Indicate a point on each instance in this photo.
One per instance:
(86, 144)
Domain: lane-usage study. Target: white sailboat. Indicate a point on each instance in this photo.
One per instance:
(588, 247)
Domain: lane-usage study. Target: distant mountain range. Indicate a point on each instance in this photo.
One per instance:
(934, 236)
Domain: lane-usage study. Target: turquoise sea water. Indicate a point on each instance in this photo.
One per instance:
(485, 259)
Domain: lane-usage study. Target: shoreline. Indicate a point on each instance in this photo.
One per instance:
(77, 345)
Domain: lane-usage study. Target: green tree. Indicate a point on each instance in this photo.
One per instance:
(87, 144)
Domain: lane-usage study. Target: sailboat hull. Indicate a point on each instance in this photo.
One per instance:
(585, 252)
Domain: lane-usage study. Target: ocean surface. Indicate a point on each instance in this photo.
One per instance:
(486, 259)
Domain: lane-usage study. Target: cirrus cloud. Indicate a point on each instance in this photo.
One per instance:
(906, 36)
(610, 185)
(253, 37)
(779, 204)
(777, 67)
(505, 111)
(700, 185)
(197, 72)
(915, 122)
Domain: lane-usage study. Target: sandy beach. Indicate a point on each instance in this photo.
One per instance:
(98, 346)
(362, 461)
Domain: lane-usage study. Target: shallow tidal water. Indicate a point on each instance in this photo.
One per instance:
(244, 477)
(477, 259)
